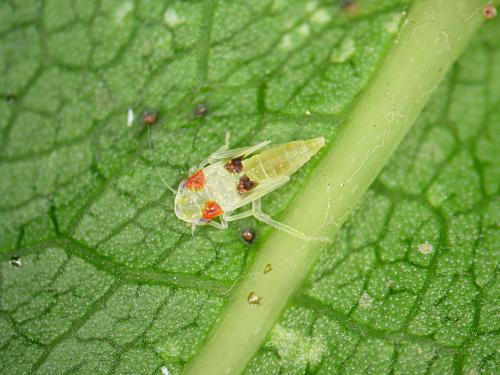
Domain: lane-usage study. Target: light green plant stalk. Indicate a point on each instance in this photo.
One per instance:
(433, 35)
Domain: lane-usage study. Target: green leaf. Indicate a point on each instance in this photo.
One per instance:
(111, 282)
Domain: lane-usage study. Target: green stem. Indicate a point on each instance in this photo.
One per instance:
(433, 35)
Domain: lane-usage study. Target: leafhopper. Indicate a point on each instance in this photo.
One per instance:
(231, 179)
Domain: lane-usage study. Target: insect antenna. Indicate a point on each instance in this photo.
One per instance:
(156, 166)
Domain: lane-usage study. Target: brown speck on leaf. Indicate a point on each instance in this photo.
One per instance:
(350, 7)
(234, 165)
(248, 235)
(149, 118)
(254, 299)
(489, 11)
(15, 261)
(268, 268)
(245, 185)
(201, 110)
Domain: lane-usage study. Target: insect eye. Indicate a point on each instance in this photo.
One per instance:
(210, 210)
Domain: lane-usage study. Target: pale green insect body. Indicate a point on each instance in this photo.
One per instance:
(281, 160)
(229, 180)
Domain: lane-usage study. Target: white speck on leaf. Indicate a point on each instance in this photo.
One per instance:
(164, 371)
(171, 18)
(311, 6)
(304, 29)
(296, 347)
(130, 117)
(365, 300)
(392, 25)
(286, 42)
(321, 17)
(344, 52)
(122, 11)
(425, 248)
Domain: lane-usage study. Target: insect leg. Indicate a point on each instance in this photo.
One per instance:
(221, 225)
(238, 216)
(266, 219)
(156, 167)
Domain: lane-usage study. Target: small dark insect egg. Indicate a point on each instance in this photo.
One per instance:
(248, 235)
(15, 261)
(200, 110)
(489, 11)
(149, 118)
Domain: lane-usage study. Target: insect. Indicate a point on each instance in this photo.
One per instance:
(230, 179)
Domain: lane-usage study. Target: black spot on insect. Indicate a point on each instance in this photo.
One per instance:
(149, 118)
(201, 110)
(15, 261)
(234, 166)
(248, 235)
(245, 185)
(489, 11)
(350, 7)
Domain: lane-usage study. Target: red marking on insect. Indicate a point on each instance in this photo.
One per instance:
(211, 209)
(196, 181)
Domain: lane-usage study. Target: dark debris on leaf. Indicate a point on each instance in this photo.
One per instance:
(350, 7)
(11, 98)
(149, 118)
(248, 235)
(489, 11)
(201, 110)
(15, 261)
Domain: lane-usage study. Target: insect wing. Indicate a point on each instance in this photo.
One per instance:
(236, 152)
